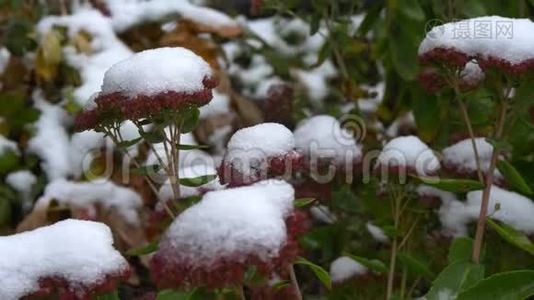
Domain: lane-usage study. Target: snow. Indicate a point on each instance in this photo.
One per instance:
(234, 222)
(323, 214)
(165, 192)
(513, 45)
(454, 218)
(409, 152)
(106, 48)
(219, 105)
(275, 31)
(158, 70)
(472, 74)
(4, 59)
(7, 145)
(128, 13)
(256, 77)
(344, 268)
(22, 181)
(250, 147)
(377, 233)
(515, 209)
(51, 141)
(462, 156)
(87, 194)
(429, 191)
(406, 120)
(371, 104)
(79, 251)
(452, 213)
(316, 80)
(188, 158)
(322, 137)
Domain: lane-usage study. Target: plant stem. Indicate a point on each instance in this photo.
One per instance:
(294, 283)
(394, 248)
(241, 292)
(467, 121)
(481, 224)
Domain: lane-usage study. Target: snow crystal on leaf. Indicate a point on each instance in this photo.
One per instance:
(79, 252)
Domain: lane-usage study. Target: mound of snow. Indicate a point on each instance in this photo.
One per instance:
(322, 137)
(155, 71)
(80, 252)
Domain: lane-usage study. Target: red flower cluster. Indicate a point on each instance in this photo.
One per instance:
(170, 272)
(275, 166)
(446, 56)
(116, 107)
(66, 290)
(505, 66)
(278, 106)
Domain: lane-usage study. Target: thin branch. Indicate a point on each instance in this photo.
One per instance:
(481, 224)
(294, 282)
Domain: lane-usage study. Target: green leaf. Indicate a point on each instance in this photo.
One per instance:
(129, 143)
(513, 285)
(415, 265)
(460, 249)
(109, 296)
(190, 119)
(513, 177)
(153, 137)
(146, 170)
(5, 212)
(402, 41)
(281, 284)
(412, 9)
(301, 202)
(8, 161)
(371, 264)
(512, 236)
(319, 272)
(175, 295)
(17, 37)
(197, 181)
(452, 185)
(315, 22)
(191, 147)
(501, 145)
(144, 250)
(454, 278)
(372, 16)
